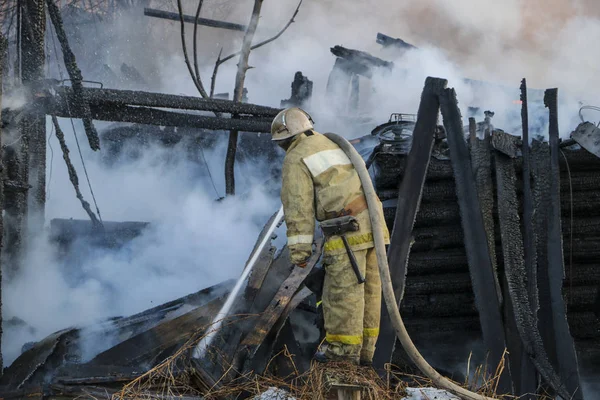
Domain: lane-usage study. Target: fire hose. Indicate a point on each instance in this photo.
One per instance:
(386, 282)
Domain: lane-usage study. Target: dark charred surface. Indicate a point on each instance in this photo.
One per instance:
(80, 105)
(409, 198)
(517, 285)
(480, 266)
(481, 162)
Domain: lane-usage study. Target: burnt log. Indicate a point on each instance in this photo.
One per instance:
(481, 162)
(79, 105)
(409, 198)
(152, 116)
(64, 96)
(32, 50)
(581, 164)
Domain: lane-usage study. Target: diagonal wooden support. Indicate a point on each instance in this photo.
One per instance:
(409, 197)
(478, 252)
(481, 162)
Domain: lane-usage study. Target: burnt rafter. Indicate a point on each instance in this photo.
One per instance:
(149, 108)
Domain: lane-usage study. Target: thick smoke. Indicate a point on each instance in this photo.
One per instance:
(195, 242)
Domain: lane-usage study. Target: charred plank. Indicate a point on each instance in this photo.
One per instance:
(481, 162)
(478, 251)
(80, 105)
(409, 198)
(152, 116)
(96, 96)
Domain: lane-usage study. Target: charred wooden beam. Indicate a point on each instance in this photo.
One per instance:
(33, 32)
(153, 116)
(409, 198)
(528, 233)
(104, 97)
(528, 372)
(478, 251)
(567, 361)
(80, 105)
(481, 162)
(151, 12)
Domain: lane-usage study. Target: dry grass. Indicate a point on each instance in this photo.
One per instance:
(175, 377)
(315, 384)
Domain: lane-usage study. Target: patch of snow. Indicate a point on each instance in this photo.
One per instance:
(274, 393)
(429, 393)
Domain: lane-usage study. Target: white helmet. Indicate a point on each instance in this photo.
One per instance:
(290, 122)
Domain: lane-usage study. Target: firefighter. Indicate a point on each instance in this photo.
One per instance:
(319, 182)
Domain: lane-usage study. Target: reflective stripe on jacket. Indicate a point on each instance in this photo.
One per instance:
(319, 181)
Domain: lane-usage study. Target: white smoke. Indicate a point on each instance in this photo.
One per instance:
(195, 242)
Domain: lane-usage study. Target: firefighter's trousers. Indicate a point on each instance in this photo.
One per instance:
(351, 310)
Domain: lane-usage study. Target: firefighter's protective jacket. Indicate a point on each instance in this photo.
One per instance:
(320, 182)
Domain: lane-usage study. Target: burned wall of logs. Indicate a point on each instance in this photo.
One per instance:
(439, 298)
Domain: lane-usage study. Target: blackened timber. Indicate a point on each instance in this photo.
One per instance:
(32, 35)
(481, 162)
(478, 252)
(152, 116)
(528, 235)
(514, 270)
(529, 381)
(567, 360)
(409, 198)
(151, 12)
(75, 74)
(104, 97)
